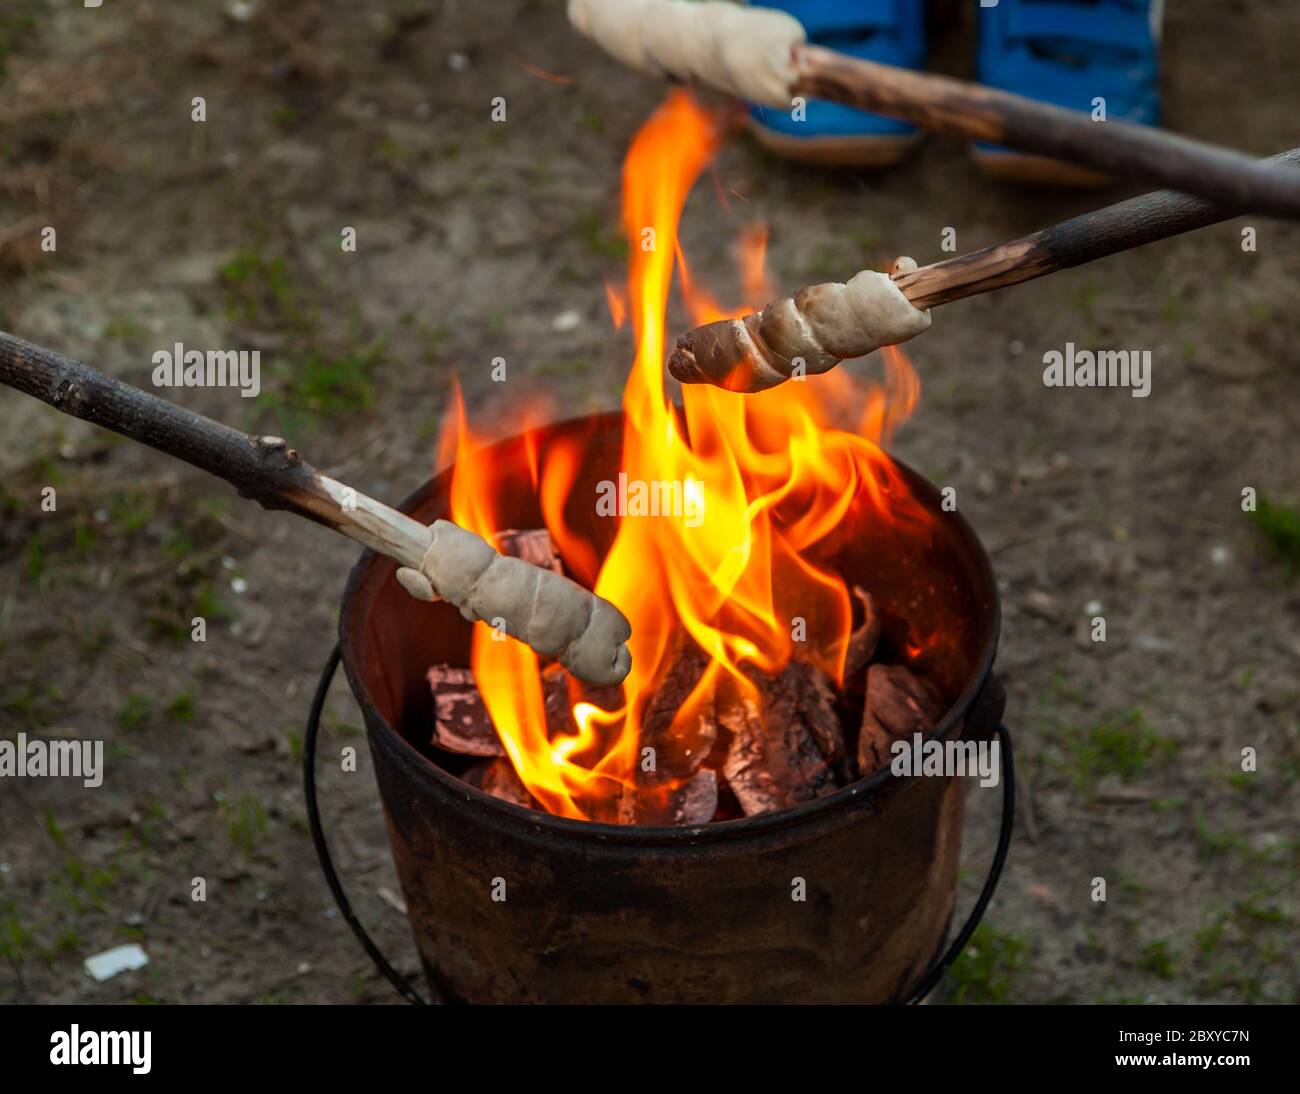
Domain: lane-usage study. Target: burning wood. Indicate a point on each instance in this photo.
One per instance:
(679, 728)
(534, 546)
(767, 743)
(498, 778)
(863, 640)
(784, 737)
(693, 801)
(460, 720)
(899, 703)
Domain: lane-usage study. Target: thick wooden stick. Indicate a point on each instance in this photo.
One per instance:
(763, 55)
(1120, 227)
(264, 469)
(1113, 147)
(549, 612)
(713, 354)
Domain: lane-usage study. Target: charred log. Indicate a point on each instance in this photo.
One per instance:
(899, 703)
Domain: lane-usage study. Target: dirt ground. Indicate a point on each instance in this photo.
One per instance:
(474, 237)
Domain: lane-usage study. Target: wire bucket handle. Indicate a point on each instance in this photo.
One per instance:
(408, 992)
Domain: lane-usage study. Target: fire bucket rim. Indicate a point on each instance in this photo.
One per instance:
(521, 820)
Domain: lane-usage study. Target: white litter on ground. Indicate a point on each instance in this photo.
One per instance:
(106, 965)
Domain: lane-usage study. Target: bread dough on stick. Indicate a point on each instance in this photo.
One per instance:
(802, 335)
(741, 50)
(553, 615)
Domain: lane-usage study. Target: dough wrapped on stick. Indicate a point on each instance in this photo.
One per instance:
(553, 615)
(802, 335)
(741, 50)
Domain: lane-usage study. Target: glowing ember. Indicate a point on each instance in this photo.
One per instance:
(753, 483)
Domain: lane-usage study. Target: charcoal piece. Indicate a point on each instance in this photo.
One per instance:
(690, 801)
(555, 698)
(532, 545)
(783, 738)
(498, 778)
(899, 704)
(863, 641)
(680, 743)
(806, 693)
(460, 719)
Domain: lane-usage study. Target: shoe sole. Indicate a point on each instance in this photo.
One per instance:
(869, 152)
(1037, 170)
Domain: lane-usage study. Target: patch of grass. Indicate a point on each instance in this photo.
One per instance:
(1125, 746)
(170, 616)
(135, 710)
(574, 366)
(293, 735)
(80, 887)
(1217, 841)
(1157, 960)
(183, 708)
(394, 153)
(125, 328)
(1243, 780)
(29, 705)
(987, 966)
(17, 943)
(1254, 912)
(590, 230)
(327, 383)
(84, 536)
(322, 379)
(209, 605)
(17, 26)
(92, 644)
(258, 289)
(34, 557)
(1086, 302)
(1239, 947)
(132, 510)
(52, 829)
(1207, 938)
(1280, 525)
(246, 823)
(153, 824)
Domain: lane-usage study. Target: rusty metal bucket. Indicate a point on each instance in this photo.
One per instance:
(597, 913)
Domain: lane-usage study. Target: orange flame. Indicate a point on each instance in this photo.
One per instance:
(755, 483)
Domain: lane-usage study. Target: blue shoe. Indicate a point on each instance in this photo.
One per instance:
(1070, 53)
(889, 31)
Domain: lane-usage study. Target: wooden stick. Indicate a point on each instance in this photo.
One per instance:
(264, 469)
(709, 353)
(762, 55)
(1114, 147)
(552, 614)
(1120, 227)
